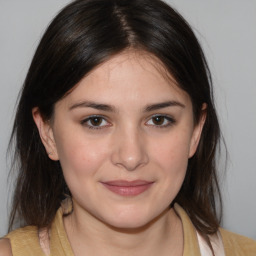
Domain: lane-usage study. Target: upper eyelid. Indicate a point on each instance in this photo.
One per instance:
(104, 117)
(92, 116)
(86, 119)
(162, 115)
(168, 117)
(159, 114)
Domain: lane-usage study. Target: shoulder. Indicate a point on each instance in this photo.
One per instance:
(235, 244)
(5, 247)
(24, 241)
(28, 232)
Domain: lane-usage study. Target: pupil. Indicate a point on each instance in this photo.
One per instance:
(158, 120)
(96, 121)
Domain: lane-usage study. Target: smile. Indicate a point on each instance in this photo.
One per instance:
(128, 188)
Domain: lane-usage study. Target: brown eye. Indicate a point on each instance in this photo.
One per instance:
(158, 120)
(96, 121)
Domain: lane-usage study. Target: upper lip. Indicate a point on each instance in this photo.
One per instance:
(126, 183)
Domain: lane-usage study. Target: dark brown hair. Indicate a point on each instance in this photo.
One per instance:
(83, 35)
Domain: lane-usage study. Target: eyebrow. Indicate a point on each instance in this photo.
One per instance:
(95, 105)
(110, 108)
(161, 105)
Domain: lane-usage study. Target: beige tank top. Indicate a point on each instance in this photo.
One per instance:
(29, 241)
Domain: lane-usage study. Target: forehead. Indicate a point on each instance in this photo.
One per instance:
(134, 76)
(132, 64)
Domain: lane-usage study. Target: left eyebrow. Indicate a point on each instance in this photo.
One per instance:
(161, 105)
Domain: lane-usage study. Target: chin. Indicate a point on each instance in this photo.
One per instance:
(130, 221)
(126, 225)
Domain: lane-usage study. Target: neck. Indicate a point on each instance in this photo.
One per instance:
(162, 236)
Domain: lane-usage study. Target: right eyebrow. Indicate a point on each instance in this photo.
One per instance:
(95, 105)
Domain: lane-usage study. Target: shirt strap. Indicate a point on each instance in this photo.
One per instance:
(216, 242)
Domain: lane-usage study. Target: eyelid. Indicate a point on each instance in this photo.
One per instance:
(87, 119)
(170, 119)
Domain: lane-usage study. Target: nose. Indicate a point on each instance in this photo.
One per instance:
(129, 151)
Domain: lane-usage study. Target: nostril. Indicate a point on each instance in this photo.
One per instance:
(130, 158)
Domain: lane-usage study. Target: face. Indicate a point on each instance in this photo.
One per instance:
(123, 137)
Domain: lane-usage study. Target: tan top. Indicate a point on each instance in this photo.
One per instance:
(25, 241)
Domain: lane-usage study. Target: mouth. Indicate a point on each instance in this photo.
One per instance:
(128, 188)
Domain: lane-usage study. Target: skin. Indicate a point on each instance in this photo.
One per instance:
(126, 142)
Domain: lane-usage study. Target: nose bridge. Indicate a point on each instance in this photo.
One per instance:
(130, 150)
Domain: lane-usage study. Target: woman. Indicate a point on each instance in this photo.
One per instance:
(116, 134)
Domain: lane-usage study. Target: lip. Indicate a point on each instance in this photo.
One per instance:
(127, 188)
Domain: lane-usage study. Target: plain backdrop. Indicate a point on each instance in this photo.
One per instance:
(226, 30)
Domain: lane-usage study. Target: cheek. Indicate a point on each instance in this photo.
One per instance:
(173, 153)
(173, 161)
(79, 157)
(171, 156)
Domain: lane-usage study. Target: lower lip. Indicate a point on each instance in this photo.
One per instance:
(128, 190)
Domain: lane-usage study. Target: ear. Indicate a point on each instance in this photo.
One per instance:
(197, 131)
(46, 134)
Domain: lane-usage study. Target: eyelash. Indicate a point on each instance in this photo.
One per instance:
(170, 121)
(90, 118)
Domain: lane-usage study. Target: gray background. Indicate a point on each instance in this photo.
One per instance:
(226, 29)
